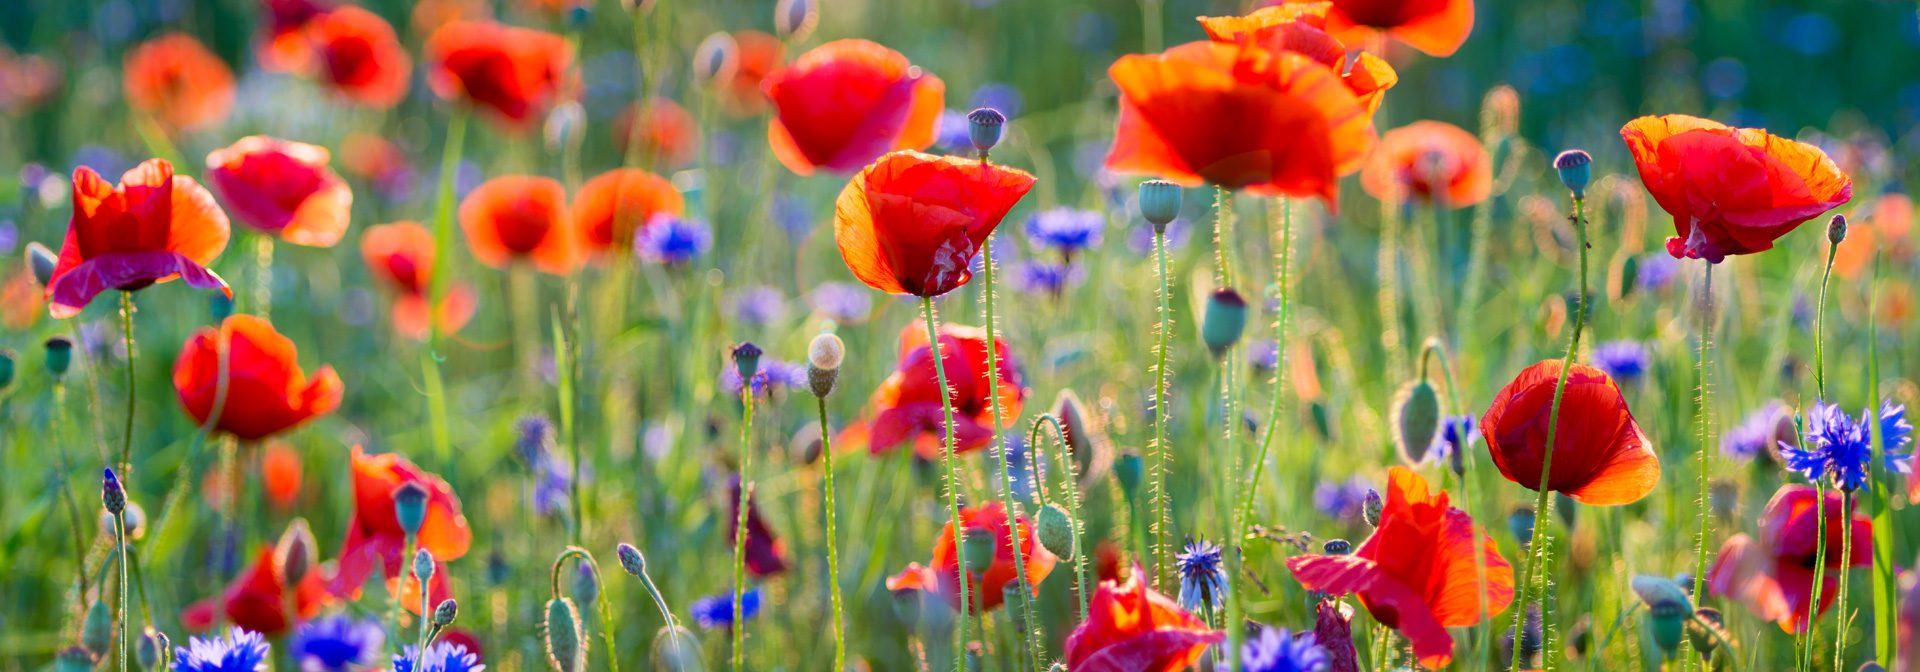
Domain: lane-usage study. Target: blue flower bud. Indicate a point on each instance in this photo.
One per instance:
(112, 494)
(1159, 203)
(423, 566)
(444, 614)
(631, 559)
(1576, 170)
(1837, 229)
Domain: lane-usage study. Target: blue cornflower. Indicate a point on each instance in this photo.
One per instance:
(952, 132)
(337, 643)
(1758, 432)
(238, 651)
(1279, 650)
(773, 374)
(1263, 354)
(1840, 447)
(1895, 431)
(550, 476)
(667, 239)
(1046, 277)
(843, 301)
(1203, 579)
(716, 611)
(1140, 237)
(1625, 361)
(1457, 433)
(1341, 500)
(1656, 271)
(441, 657)
(758, 306)
(1067, 230)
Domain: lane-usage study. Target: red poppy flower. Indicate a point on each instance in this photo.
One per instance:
(1731, 190)
(357, 54)
(757, 56)
(154, 227)
(1430, 161)
(916, 577)
(375, 537)
(989, 588)
(1133, 628)
(402, 255)
(1416, 572)
(1301, 28)
(513, 73)
(282, 188)
(177, 81)
(520, 217)
(1436, 27)
(281, 473)
(609, 209)
(766, 555)
(257, 600)
(907, 406)
(911, 222)
(668, 135)
(1241, 116)
(1600, 456)
(845, 103)
(267, 393)
(284, 47)
(21, 300)
(1772, 573)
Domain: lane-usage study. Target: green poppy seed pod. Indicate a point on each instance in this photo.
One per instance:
(293, 555)
(1416, 420)
(219, 305)
(423, 565)
(1668, 609)
(1337, 547)
(586, 584)
(984, 126)
(1837, 229)
(1702, 628)
(1371, 507)
(675, 649)
(112, 494)
(566, 648)
(1576, 170)
(1563, 506)
(631, 559)
(59, 355)
(148, 650)
(410, 506)
(1224, 321)
(42, 261)
(1159, 203)
(1128, 470)
(746, 361)
(1520, 523)
(445, 614)
(74, 659)
(795, 19)
(979, 548)
(716, 58)
(6, 368)
(1055, 529)
(824, 355)
(96, 633)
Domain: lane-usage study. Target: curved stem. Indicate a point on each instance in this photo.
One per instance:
(833, 545)
(745, 498)
(1705, 428)
(1282, 269)
(1819, 327)
(1072, 480)
(953, 484)
(1162, 456)
(1028, 641)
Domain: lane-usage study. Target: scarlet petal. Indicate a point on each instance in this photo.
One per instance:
(1392, 603)
(1600, 456)
(520, 217)
(879, 102)
(911, 222)
(283, 188)
(73, 290)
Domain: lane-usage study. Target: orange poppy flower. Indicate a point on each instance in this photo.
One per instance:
(1241, 116)
(21, 300)
(513, 73)
(668, 135)
(356, 53)
(520, 217)
(177, 81)
(1731, 190)
(1133, 628)
(267, 393)
(1600, 456)
(154, 227)
(1435, 27)
(282, 188)
(845, 103)
(284, 48)
(1773, 573)
(611, 208)
(911, 222)
(1301, 28)
(281, 473)
(1429, 161)
(907, 406)
(989, 588)
(757, 56)
(375, 537)
(257, 600)
(402, 255)
(1416, 572)
(916, 577)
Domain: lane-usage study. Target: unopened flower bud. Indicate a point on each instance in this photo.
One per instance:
(979, 549)
(219, 305)
(112, 494)
(716, 58)
(59, 355)
(566, 648)
(74, 659)
(984, 126)
(794, 19)
(410, 506)
(96, 632)
(423, 566)
(1668, 609)
(1520, 522)
(152, 645)
(1371, 507)
(1159, 203)
(1337, 547)
(1416, 420)
(444, 614)
(294, 554)
(1837, 229)
(746, 360)
(631, 559)
(586, 584)
(1224, 321)
(1129, 469)
(1576, 170)
(1055, 529)
(42, 261)
(823, 363)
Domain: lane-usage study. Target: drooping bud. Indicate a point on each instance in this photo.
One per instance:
(1159, 203)
(979, 549)
(423, 566)
(444, 614)
(824, 355)
(984, 126)
(1128, 470)
(1668, 609)
(716, 58)
(795, 19)
(112, 494)
(294, 554)
(631, 559)
(1576, 170)
(410, 506)
(42, 261)
(59, 355)
(586, 584)
(1337, 547)
(1837, 229)
(566, 648)
(96, 633)
(1224, 321)
(675, 649)
(1371, 507)
(1416, 420)
(1055, 529)
(746, 360)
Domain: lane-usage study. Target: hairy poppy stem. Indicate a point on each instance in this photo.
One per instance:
(120, 541)
(1541, 559)
(1072, 481)
(437, 284)
(833, 543)
(1846, 568)
(1028, 641)
(1703, 520)
(745, 497)
(1811, 637)
(1819, 326)
(953, 484)
(1282, 270)
(1162, 456)
(126, 331)
(1388, 267)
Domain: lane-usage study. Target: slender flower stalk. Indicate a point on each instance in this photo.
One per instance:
(1705, 433)
(126, 331)
(564, 366)
(1162, 453)
(437, 288)
(1283, 284)
(1846, 568)
(833, 544)
(1072, 486)
(1836, 232)
(1805, 656)
(740, 522)
(953, 484)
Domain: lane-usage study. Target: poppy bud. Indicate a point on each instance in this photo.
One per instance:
(1129, 469)
(586, 584)
(6, 368)
(1055, 530)
(59, 355)
(1416, 419)
(979, 549)
(983, 128)
(423, 565)
(1224, 321)
(676, 650)
(823, 363)
(566, 650)
(42, 261)
(1667, 609)
(563, 123)
(112, 494)
(219, 305)
(715, 58)
(1520, 524)
(410, 507)
(631, 559)
(1837, 229)
(1371, 507)
(293, 555)
(795, 19)
(1702, 628)
(746, 360)
(147, 651)
(1337, 547)
(96, 633)
(1159, 203)
(444, 614)
(74, 659)
(1576, 170)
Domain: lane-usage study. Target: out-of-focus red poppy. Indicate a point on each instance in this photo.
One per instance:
(430, 15)
(281, 473)
(154, 227)
(1416, 572)
(1600, 456)
(375, 538)
(916, 577)
(609, 209)
(257, 600)
(177, 81)
(907, 406)
(766, 554)
(402, 255)
(757, 56)
(1436, 27)
(1429, 161)
(1133, 628)
(1772, 573)
(1301, 28)
(283, 47)
(989, 588)
(668, 135)
(267, 393)
(1731, 190)
(21, 300)
(356, 53)
(282, 188)
(911, 222)
(513, 73)
(27, 81)
(1241, 116)
(1333, 629)
(845, 103)
(520, 217)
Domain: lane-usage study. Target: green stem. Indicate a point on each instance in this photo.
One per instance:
(437, 286)
(1885, 600)
(66, 484)
(1223, 216)
(1819, 327)
(126, 444)
(1282, 279)
(120, 541)
(1846, 568)
(1028, 639)
(1705, 431)
(953, 485)
(1807, 640)
(739, 628)
(1072, 481)
(1162, 455)
(564, 367)
(833, 544)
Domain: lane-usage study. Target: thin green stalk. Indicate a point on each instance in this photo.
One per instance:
(1282, 270)
(66, 484)
(1485, 625)
(1885, 600)
(1846, 568)
(426, 614)
(1223, 216)
(1162, 455)
(739, 628)
(126, 444)
(1539, 555)
(393, 601)
(563, 367)
(953, 485)
(1807, 641)
(437, 287)
(1819, 327)
(120, 541)
(1072, 481)
(833, 545)
(1028, 641)
(1705, 429)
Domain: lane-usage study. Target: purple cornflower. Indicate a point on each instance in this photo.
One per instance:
(1842, 448)
(550, 477)
(237, 651)
(843, 302)
(716, 611)
(337, 643)
(1066, 230)
(1045, 277)
(1263, 354)
(1140, 237)
(758, 306)
(1656, 271)
(1625, 361)
(1341, 500)
(1203, 579)
(1280, 650)
(952, 132)
(1759, 432)
(440, 657)
(671, 240)
(773, 374)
